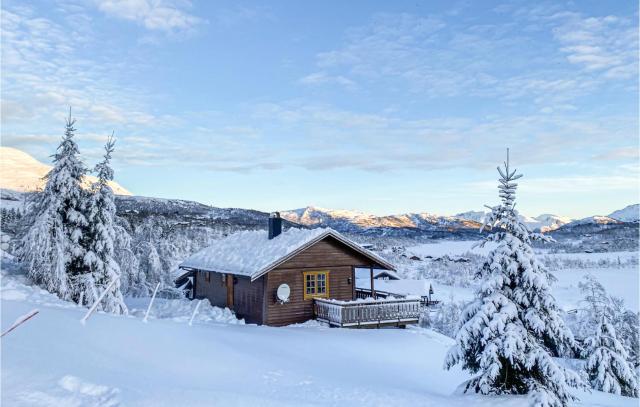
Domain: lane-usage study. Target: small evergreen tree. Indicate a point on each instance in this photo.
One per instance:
(607, 365)
(100, 242)
(51, 247)
(510, 331)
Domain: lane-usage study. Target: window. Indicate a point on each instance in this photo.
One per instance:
(316, 284)
(207, 277)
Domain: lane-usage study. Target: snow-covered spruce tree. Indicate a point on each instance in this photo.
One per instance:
(607, 365)
(51, 246)
(510, 331)
(99, 240)
(627, 325)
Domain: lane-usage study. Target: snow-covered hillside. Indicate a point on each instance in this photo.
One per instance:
(122, 361)
(545, 222)
(594, 220)
(630, 213)
(22, 172)
(548, 222)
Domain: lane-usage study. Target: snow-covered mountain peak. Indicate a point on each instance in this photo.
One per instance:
(630, 213)
(476, 216)
(21, 172)
(599, 220)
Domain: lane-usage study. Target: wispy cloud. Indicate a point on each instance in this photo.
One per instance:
(387, 142)
(608, 44)
(43, 72)
(440, 56)
(321, 78)
(622, 153)
(169, 16)
(566, 185)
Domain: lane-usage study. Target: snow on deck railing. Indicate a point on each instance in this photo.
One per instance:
(367, 312)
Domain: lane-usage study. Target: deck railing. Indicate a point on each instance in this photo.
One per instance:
(368, 312)
(365, 293)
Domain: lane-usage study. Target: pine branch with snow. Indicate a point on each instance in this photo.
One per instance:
(510, 332)
(607, 365)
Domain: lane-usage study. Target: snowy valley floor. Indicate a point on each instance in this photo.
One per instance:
(54, 360)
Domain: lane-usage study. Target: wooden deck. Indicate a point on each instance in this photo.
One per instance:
(368, 313)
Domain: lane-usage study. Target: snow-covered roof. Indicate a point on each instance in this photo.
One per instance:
(251, 253)
(392, 274)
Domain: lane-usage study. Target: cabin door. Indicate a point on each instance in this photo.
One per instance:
(229, 291)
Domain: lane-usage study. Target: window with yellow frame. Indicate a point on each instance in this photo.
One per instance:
(316, 284)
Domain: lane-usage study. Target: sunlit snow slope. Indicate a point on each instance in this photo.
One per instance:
(21, 172)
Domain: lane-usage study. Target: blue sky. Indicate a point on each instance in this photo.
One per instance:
(383, 107)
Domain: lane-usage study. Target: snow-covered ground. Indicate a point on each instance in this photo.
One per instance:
(54, 360)
(450, 248)
(623, 282)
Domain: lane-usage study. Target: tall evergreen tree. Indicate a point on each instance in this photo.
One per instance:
(607, 365)
(51, 247)
(510, 331)
(100, 256)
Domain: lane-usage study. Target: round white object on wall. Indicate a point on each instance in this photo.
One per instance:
(283, 292)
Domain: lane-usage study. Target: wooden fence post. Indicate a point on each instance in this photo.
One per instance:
(153, 297)
(97, 302)
(21, 320)
(195, 311)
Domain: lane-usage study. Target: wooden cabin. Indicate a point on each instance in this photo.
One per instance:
(274, 278)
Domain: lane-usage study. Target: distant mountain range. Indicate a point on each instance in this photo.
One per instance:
(21, 172)
(352, 221)
(545, 222)
(358, 222)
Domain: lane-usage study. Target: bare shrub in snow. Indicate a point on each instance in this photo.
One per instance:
(445, 318)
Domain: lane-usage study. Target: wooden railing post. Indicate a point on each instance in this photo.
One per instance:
(373, 290)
